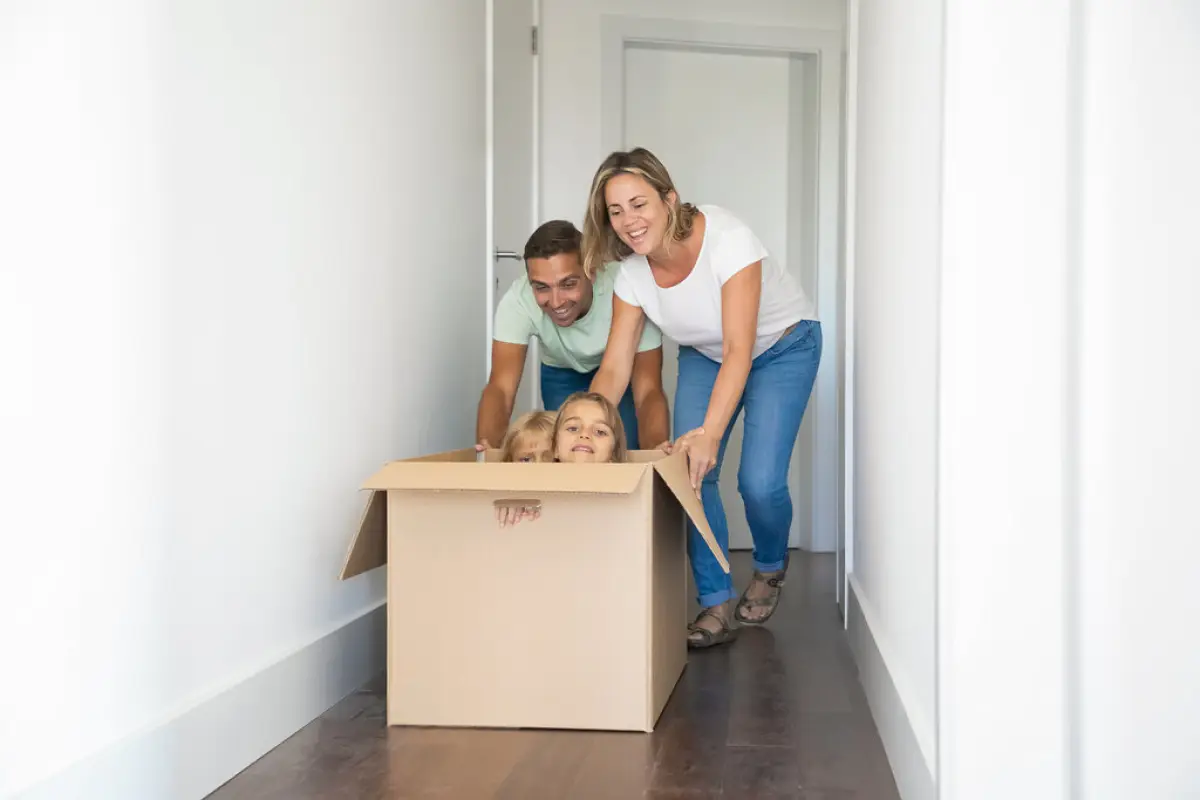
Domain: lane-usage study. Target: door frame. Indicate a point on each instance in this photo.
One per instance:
(535, 209)
(826, 48)
(489, 182)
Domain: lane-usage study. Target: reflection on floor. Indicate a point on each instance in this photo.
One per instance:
(778, 714)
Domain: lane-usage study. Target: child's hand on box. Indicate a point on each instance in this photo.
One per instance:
(507, 516)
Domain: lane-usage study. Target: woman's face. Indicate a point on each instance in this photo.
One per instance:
(584, 435)
(636, 212)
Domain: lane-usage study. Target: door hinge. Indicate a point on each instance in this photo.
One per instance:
(533, 42)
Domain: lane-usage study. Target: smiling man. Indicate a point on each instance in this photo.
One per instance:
(571, 317)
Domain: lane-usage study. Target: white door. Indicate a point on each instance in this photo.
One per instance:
(514, 199)
(749, 131)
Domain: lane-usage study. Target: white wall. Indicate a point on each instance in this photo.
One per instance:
(1137, 596)
(1057, 182)
(895, 295)
(1004, 439)
(227, 234)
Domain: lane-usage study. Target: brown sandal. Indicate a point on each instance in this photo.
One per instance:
(746, 607)
(707, 638)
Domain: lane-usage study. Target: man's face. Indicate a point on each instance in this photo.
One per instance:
(560, 287)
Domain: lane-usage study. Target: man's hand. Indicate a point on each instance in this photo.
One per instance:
(481, 445)
(667, 447)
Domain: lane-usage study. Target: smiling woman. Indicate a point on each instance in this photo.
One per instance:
(748, 339)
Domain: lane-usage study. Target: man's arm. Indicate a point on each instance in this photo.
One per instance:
(496, 403)
(654, 426)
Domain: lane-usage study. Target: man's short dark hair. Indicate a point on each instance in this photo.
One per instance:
(553, 238)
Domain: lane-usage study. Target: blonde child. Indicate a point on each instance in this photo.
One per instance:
(589, 431)
(530, 438)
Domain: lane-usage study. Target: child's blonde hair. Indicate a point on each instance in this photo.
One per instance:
(531, 422)
(611, 416)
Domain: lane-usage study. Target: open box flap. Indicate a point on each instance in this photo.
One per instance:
(368, 549)
(457, 470)
(531, 479)
(674, 471)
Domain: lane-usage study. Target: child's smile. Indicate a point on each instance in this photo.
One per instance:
(585, 435)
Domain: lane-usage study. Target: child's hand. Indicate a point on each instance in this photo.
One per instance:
(508, 516)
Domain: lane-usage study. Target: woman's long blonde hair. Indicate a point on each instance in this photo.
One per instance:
(601, 244)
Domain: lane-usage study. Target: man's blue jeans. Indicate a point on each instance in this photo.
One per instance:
(559, 383)
(776, 394)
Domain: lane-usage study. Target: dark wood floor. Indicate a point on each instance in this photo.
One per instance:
(779, 714)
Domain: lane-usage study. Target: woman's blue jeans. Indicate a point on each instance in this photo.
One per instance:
(559, 383)
(776, 394)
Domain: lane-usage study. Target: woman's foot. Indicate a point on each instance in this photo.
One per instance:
(714, 625)
(761, 597)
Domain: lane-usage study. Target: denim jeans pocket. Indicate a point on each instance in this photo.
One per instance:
(802, 336)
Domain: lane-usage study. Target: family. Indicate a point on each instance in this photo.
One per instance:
(599, 301)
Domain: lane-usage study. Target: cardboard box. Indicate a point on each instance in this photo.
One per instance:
(576, 620)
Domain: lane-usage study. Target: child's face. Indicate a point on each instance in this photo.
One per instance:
(584, 435)
(534, 448)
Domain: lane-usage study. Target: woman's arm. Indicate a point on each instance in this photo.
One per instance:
(650, 401)
(739, 327)
(616, 368)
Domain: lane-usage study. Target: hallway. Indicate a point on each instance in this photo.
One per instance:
(778, 715)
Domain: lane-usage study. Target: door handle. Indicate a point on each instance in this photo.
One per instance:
(515, 256)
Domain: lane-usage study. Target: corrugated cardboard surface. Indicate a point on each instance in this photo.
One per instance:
(576, 620)
(542, 625)
(668, 601)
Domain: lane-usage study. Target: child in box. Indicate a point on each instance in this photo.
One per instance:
(589, 431)
(530, 438)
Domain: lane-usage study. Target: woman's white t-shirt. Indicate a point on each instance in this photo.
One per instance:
(690, 312)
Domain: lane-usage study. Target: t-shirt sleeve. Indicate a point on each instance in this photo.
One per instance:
(623, 287)
(739, 249)
(651, 337)
(512, 323)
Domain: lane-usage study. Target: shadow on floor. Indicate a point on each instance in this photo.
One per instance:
(778, 714)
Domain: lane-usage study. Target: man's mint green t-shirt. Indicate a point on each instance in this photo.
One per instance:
(579, 346)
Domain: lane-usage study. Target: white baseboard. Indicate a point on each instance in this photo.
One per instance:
(189, 756)
(908, 736)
